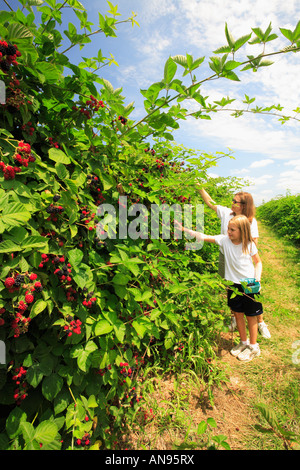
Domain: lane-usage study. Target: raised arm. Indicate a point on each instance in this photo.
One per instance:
(206, 198)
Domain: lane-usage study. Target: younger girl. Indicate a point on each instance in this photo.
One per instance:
(240, 253)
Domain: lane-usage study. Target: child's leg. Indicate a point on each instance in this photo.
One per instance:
(252, 326)
(241, 325)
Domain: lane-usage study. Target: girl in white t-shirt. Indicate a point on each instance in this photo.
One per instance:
(242, 203)
(240, 253)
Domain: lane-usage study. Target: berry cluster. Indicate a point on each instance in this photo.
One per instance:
(122, 119)
(53, 144)
(64, 273)
(21, 158)
(95, 189)
(95, 104)
(91, 105)
(152, 151)
(28, 128)
(54, 209)
(54, 236)
(20, 323)
(8, 55)
(86, 217)
(73, 326)
(19, 376)
(133, 396)
(84, 441)
(14, 96)
(89, 300)
(126, 370)
(103, 371)
(71, 294)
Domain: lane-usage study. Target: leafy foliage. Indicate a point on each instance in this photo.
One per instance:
(282, 214)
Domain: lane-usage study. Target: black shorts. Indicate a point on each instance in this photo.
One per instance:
(245, 303)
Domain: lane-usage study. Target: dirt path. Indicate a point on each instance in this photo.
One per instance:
(256, 381)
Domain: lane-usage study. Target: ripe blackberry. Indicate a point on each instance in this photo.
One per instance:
(19, 280)
(2, 49)
(56, 198)
(4, 65)
(11, 50)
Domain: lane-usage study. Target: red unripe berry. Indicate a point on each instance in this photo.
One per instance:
(9, 282)
(29, 298)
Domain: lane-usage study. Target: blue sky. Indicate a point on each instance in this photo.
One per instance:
(266, 152)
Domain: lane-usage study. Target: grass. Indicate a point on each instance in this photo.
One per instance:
(247, 406)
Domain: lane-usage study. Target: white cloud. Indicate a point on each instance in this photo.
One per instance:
(261, 163)
(289, 180)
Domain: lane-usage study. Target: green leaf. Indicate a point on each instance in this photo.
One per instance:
(169, 71)
(92, 403)
(287, 33)
(38, 307)
(296, 33)
(103, 327)
(13, 422)
(75, 257)
(8, 247)
(121, 279)
(51, 386)
(45, 432)
(61, 171)
(34, 241)
(202, 426)
(15, 214)
(211, 422)
(28, 431)
(59, 156)
(49, 71)
(18, 31)
(61, 401)
(34, 375)
(229, 37)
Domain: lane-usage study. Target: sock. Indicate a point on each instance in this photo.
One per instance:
(245, 342)
(254, 346)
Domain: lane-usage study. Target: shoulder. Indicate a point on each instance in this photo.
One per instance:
(221, 239)
(223, 211)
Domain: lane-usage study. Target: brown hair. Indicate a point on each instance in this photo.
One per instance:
(248, 207)
(243, 224)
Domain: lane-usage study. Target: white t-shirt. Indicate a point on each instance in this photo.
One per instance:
(225, 214)
(238, 265)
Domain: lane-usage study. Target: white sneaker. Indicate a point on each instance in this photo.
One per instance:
(236, 350)
(263, 329)
(232, 325)
(249, 353)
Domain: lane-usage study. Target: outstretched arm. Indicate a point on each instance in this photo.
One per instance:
(206, 198)
(198, 235)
